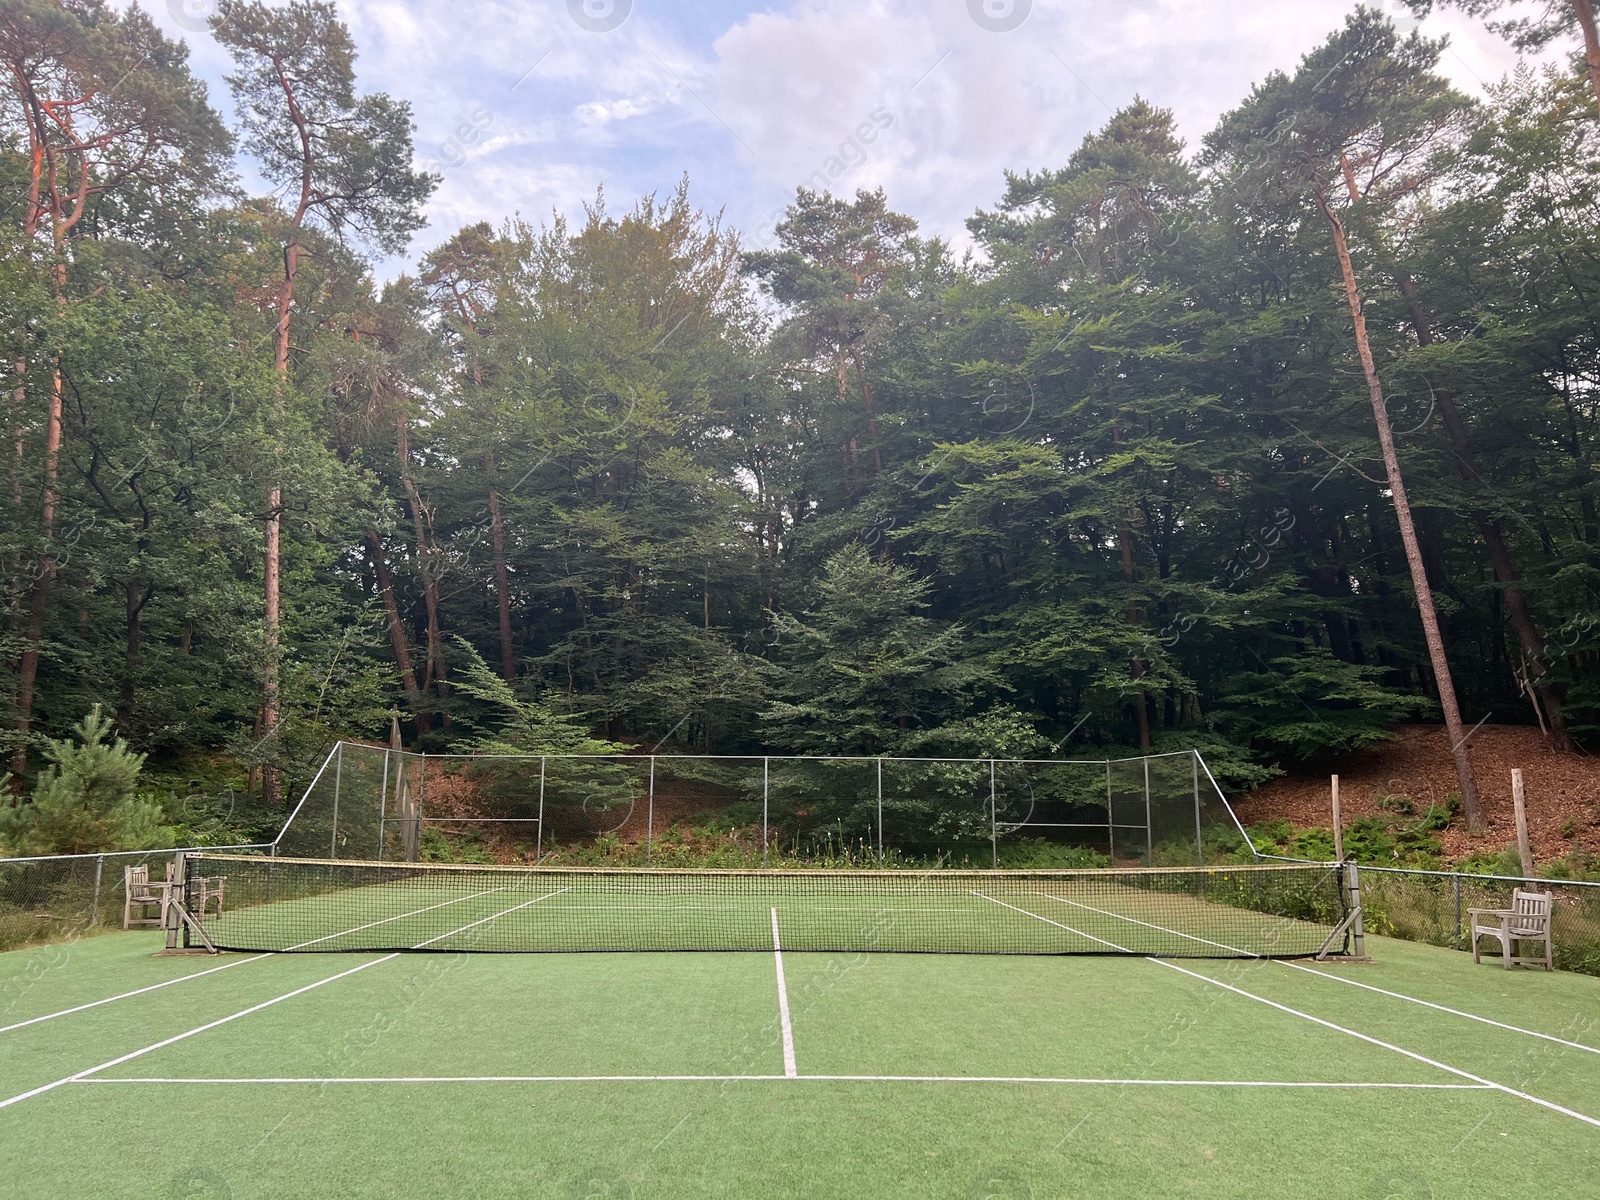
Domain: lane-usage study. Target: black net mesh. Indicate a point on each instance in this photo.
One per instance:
(305, 905)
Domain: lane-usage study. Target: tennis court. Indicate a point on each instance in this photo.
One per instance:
(785, 1072)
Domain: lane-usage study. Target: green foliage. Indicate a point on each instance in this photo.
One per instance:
(86, 800)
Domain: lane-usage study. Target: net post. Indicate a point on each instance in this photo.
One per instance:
(1358, 933)
(383, 804)
(176, 891)
(650, 815)
(338, 771)
(880, 810)
(994, 836)
(766, 790)
(1149, 826)
(1199, 833)
(1111, 820)
(538, 838)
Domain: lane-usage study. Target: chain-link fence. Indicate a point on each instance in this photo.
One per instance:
(378, 804)
(1434, 907)
(65, 896)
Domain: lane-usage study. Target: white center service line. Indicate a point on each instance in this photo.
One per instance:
(494, 917)
(783, 1004)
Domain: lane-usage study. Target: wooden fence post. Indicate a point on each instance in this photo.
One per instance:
(1519, 802)
(1338, 824)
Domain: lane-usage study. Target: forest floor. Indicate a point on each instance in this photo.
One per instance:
(1563, 790)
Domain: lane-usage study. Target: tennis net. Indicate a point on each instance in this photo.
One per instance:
(312, 905)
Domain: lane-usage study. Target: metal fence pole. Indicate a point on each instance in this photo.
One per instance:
(1111, 818)
(994, 836)
(880, 812)
(650, 814)
(1455, 886)
(383, 805)
(94, 905)
(333, 837)
(1149, 824)
(766, 790)
(538, 838)
(1199, 834)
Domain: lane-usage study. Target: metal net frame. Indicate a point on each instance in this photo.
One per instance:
(371, 803)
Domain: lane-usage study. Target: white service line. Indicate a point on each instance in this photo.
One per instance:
(1456, 1012)
(244, 1012)
(1411, 1054)
(1048, 1079)
(783, 1004)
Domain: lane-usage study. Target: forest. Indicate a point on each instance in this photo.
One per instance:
(1117, 473)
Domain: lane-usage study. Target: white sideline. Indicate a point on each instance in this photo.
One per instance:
(66, 1012)
(80, 1076)
(1411, 1054)
(244, 1012)
(1455, 1012)
(789, 1070)
(1050, 1079)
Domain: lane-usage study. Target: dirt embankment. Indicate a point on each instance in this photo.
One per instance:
(1563, 790)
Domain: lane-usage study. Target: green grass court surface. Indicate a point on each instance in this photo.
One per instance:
(800, 1074)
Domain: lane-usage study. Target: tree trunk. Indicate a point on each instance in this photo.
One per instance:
(1549, 694)
(435, 669)
(134, 600)
(397, 630)
(502, 577)
(271, 570)
(1584, 11)
(1408, 533)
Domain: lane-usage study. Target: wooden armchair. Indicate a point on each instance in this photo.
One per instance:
(140, 891)
(206, 892)
(1527, 920)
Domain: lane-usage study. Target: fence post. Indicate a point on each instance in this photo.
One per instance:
(94, 905)
(880, 811)
(1111, 819)
(333, 836)
(383, 806)
(1338, 824)
(766, 779)
(1519, 803)
(994, 835)
(1149, 823)
(1199, 834)
(1455, 886)
(650, 815)
(538, 838)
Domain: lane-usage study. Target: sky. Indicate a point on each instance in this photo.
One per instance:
(529, 106)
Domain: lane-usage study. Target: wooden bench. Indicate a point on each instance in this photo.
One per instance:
(1527, 920)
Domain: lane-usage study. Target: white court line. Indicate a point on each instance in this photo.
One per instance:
(65, 1012)
(1048, 1079)
(245, 1012)
(1549, 1037)
(80, 1076)
(1411, 1054)
(495, 917)
(387, 920)
(1048, 921)
(783, 1003)
(136, 992)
